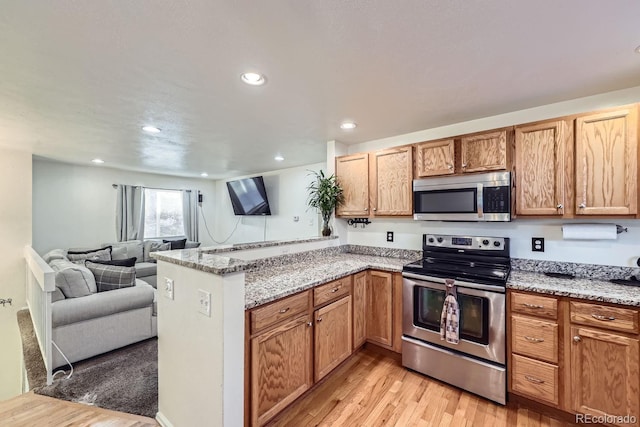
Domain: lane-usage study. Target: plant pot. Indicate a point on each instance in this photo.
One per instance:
(326, 230)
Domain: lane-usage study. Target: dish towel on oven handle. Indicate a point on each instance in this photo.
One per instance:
(449, 321)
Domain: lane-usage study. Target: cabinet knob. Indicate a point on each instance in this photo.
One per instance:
(375, 209)
(283, 311)
(450, 166)
(560, 206)
(366, 209)
(319, 319)
(309, 324)
(577, 338)
(601, 317)
(464, 165)
(582, 205)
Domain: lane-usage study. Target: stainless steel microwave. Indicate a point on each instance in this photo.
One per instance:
(478, 197)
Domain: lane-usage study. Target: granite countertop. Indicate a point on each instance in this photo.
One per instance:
(209, 263)
(269, 284)
(256, 245)
(592, 289)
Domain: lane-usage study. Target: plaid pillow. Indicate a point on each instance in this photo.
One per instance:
(103, 254)
(110, 277)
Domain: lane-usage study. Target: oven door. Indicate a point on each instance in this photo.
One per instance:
(482, 316)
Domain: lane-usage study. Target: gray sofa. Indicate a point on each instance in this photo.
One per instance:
(86, 322)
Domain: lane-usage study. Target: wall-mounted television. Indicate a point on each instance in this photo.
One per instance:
(248, 196)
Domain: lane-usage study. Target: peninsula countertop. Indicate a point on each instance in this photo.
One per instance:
(272, 283)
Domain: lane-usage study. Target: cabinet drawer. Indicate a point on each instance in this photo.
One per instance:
(332, 290)
(534, 305)
(535, 338)
(285, 308)
(535, 379)
(602, 316)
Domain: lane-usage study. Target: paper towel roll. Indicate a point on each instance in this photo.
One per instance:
(589, 232)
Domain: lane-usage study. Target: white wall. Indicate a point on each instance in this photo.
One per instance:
(15, 234)
(408, 233)
(75, 205)
(286, 191)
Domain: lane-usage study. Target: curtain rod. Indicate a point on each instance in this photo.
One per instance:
(153, 188)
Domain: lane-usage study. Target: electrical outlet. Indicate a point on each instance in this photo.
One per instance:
(168, 288)
(389, 236)
(204, 302)
(296, 218)
(537, 244)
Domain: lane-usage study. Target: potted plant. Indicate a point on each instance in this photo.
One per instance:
(325, 194)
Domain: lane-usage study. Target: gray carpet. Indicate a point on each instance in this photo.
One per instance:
(36, 372)
(123, 380)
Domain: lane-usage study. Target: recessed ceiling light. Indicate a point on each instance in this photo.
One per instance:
(253, 79)
(278, 158)
(97, 161)
(151, 129)
(204, 174)
(348, 125)
(637, 49)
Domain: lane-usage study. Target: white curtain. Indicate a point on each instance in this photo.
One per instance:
(129, 213)
(190, 214)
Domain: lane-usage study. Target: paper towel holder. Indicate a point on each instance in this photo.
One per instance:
(621, 229)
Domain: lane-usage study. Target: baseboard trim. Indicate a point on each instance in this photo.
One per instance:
(162, 420)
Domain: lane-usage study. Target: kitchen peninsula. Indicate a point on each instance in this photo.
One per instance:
(200, 357)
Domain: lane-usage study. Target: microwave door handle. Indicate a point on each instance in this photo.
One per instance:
(479, 201)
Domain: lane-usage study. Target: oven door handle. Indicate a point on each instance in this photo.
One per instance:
(458, 283)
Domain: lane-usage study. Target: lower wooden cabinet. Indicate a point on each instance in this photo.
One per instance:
(379, 295)
(359, 308)
(604, 373)
(333, 336)
(281, 367)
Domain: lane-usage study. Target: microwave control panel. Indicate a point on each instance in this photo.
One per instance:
(496, 199)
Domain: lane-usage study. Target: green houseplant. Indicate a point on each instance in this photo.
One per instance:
(325, 194)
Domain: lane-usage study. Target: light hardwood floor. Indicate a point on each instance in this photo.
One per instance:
(373, 390)
(29, 410)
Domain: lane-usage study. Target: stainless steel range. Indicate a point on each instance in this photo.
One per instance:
(478, 268)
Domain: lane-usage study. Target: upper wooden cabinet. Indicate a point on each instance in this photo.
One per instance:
(377, 183)
(484, 152)
(352, 172)
(543, 168)
(435, 158)
(606, 162)
(391, 180)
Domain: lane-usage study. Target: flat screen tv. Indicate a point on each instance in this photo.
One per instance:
(248, 196)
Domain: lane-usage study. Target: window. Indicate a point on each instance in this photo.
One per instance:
(163, 213)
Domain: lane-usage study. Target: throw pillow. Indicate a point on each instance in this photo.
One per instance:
(73, 280)
(119, 253)
(111, 277)
(154, 246)
(102, 254)
(54, 254)
(191, 245)
(127, 262)
(132, 248)
(176, 244)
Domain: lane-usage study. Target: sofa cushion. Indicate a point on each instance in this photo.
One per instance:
(176, 244)
(191, 245)
(57, 295)
(103, 254)
(133, 248)
(154, 246)
(144, 269)
(73, 280)
(126, 262)
(54, 254)
(111, 277)
(102, 304)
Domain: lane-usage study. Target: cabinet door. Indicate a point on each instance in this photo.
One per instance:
(333, 336)
(541, 168)
(352, 173)
(604, 373)
(359, 308)
(484, 152)
(435, 158)
(391, 182)
(379, 296)
(606, 163)
(280, 368)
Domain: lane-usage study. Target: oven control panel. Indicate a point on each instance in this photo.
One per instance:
(465, 242)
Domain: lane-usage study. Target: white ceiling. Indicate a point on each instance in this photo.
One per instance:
(78, 79)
